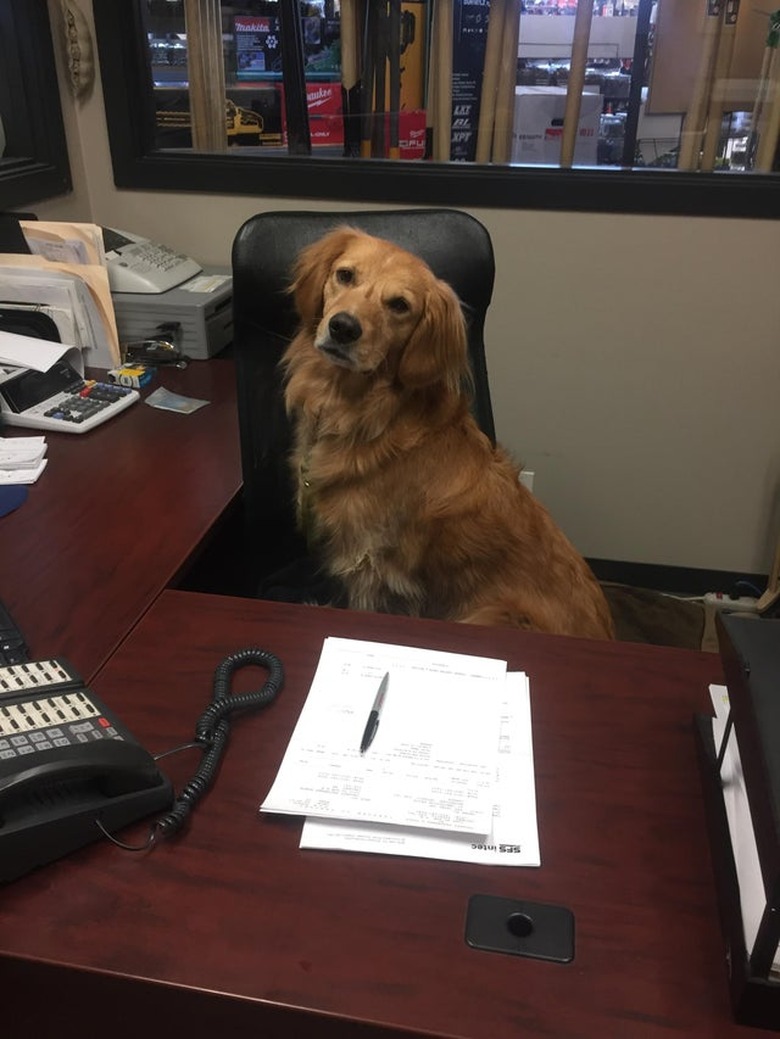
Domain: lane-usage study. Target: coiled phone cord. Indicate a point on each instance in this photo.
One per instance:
(213, 728)
(211, 734)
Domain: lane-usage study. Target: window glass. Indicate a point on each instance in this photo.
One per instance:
(645, 84)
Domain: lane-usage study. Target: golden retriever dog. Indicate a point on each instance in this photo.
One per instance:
(408, 503)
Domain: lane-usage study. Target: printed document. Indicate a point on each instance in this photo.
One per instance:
(28, 352)
(514, 835)
(432, 763)
(22, 459)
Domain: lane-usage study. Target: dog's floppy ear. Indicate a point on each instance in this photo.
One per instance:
(437, 350)
(311, 272)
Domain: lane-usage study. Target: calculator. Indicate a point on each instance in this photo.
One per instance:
(60, 399)
(135, 264)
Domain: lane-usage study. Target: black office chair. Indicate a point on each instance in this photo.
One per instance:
(458, 250)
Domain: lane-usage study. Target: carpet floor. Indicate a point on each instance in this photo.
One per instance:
(643, 615)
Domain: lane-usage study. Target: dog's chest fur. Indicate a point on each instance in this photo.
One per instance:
(357, 521)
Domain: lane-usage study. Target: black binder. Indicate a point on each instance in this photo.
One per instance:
(750, 652)
(12, 238)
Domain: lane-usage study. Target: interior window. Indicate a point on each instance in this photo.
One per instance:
(455, 101)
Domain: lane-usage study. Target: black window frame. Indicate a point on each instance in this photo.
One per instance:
(36, 164)
(138, 165)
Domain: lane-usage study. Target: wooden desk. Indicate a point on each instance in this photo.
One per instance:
(116, 515)
(232, 930)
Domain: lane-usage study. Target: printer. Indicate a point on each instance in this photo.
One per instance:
(197, 314)
(159, 293)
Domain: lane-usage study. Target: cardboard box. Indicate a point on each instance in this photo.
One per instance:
(326, 123)
(538, 126)
(258, 48)
(411, 133)
(133, 375)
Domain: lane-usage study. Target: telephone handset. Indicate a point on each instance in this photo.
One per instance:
(70, 772)
(137, 265)
(117, 766)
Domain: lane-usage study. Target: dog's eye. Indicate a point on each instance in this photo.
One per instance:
(345, 276)
(398, 305)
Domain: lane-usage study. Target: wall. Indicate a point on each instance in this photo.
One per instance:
(634, 361)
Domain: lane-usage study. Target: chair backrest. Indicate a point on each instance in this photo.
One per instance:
(457, 248)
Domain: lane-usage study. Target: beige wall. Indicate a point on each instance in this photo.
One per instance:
(634, 361)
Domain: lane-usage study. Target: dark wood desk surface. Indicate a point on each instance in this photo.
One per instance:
(116, 514)
(233, 930)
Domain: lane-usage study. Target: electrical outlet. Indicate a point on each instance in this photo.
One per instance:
(527, 478)
(722, 601)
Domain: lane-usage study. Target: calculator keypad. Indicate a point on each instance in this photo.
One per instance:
(153, 255)
(76, 407)
(76, 411)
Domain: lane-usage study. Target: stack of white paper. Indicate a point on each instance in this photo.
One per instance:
(449, 774)
(22, 459)
(20, 351)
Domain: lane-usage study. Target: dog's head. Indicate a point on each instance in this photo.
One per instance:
(371, 307)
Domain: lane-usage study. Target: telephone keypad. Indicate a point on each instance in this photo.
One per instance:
(87, 401)
(152, 255)
(39, 722)
(47, 738)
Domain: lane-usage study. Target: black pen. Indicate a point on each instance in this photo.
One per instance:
(373, 718)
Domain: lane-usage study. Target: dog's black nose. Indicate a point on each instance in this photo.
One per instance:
(344, 328)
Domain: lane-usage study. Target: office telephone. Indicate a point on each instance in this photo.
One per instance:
(65, 762)
(137, 265)
(70, 772)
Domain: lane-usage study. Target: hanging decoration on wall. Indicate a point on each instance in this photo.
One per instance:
(79, 50)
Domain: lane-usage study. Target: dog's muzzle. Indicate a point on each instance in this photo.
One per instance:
(343, 331)
(344, 328)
